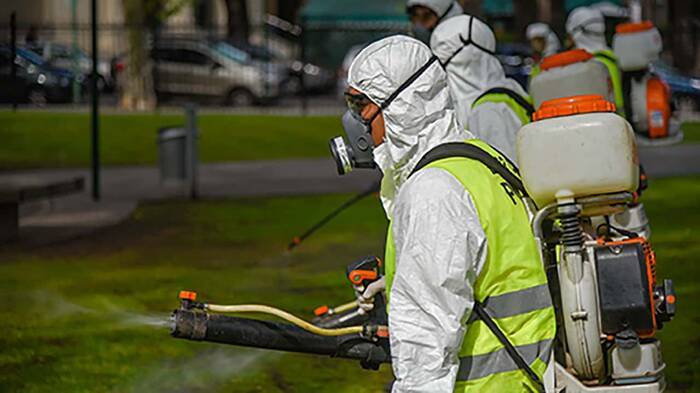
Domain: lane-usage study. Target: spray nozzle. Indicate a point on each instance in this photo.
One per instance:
(188, 300)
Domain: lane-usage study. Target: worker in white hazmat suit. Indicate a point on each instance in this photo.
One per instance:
(459, 232)
(585, 27)
(488, 103)
(543, 40)
(426, 15)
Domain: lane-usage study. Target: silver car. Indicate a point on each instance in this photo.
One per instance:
(62, 56)
(214, 70)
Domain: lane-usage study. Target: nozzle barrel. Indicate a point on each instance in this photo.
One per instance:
(202, 326)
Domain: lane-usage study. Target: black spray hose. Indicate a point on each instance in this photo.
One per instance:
(203, 326)
(298, 239)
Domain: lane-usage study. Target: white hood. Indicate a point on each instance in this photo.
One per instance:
(542, 30)
(442, 8)
(421, 117)
(586, 26)
(471, 71)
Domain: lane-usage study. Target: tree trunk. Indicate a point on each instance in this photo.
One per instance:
(137, 92)
(289, 9)
(553, 13)
(683, 35)
(238, 24)
(525, 12)
(473, 7)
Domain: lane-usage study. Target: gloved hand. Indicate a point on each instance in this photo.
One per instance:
(365, 296)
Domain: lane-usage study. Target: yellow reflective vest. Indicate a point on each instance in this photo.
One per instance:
(512, 286)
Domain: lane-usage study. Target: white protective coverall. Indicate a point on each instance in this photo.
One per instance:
(586, 26)
(444, 9)
(542, 30)
(472, 72)
(440, 244)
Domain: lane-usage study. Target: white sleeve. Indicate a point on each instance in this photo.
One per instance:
(440, 250)
(496, 124)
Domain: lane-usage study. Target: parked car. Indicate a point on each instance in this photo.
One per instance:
(61, 56)
(316, 79)
(684, 89)
(517, 61)
(37, 81)
(213, 70)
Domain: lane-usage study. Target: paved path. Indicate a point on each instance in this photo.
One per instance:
(124, 187)
(224, 180)
(676, 160)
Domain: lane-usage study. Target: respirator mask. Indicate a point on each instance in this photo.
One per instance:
(421, 33)
(355, 151)
(418, 30)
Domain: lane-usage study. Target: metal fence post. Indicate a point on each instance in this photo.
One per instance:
(13, 55)
(191, 143)
(95, 109)
(152, 54)
(75, 49)
(304, 95)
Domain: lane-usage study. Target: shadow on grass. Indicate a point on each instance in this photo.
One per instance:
(86, 315)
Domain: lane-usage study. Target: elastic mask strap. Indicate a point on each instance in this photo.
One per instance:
(407, 83)
(582, 26)
(466, 43)
(444, 14)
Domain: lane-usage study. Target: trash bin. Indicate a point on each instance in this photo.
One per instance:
(172, 150)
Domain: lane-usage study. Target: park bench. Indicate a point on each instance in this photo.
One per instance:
(17, 190)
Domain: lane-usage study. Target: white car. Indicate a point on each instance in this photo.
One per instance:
(214, 70)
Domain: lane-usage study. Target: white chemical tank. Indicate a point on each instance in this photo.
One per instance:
(570, 73)
(575, 147)
(636, 45)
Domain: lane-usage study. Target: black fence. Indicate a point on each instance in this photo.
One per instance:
(282, 67)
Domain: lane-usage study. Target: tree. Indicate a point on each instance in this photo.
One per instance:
(142, 19)
(525, 12)
(238, 23)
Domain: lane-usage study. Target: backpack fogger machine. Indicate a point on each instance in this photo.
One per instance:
(578, 161)
(648, 101)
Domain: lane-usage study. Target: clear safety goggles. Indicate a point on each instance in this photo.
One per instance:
(356, 102)
(422, 14)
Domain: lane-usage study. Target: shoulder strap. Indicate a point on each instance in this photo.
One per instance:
(510, 93)
(510, 349)
(468, 150)
(605, 56)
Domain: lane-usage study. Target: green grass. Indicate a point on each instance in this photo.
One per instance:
(691, 132)
(673, 209)
(50, 140)
(39, 139)
(75, 316)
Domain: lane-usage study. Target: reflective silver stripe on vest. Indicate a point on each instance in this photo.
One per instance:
(499, 361)
(516, 302)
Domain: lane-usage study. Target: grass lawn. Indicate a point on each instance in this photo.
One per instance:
(691, 132)
(85, 316)
(48, 140)
(38, 139)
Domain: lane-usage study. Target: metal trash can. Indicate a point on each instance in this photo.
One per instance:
(172, 151)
